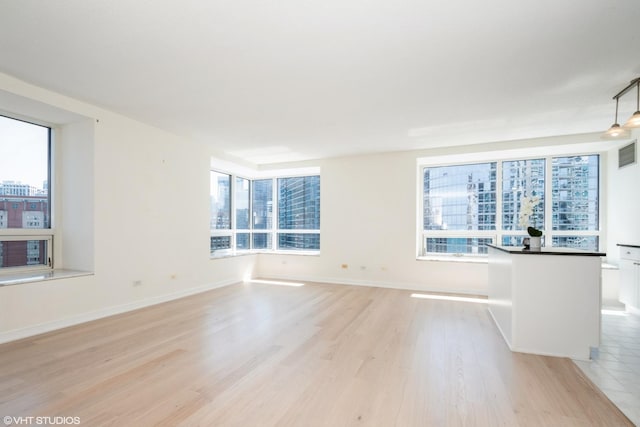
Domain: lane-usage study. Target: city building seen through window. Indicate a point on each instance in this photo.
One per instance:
(460, 204)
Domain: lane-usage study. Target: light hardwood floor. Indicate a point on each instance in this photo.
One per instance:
(315, 355)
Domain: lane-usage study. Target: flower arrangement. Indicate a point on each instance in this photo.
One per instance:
(527, 204)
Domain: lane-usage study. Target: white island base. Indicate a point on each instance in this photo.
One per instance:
(546, 302)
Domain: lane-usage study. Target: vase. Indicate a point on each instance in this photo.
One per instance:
(535, 243)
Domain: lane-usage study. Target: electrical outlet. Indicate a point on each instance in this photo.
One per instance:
(344, 266)
(137, 282)
(173, 276)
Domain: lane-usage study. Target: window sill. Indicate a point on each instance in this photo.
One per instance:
(259, 252)
(39, 276)
(299, 253)
(232, 255)
(453, 258)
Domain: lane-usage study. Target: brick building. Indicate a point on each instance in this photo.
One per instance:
(23, 212)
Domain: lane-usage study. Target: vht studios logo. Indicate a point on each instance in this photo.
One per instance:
(15, 421)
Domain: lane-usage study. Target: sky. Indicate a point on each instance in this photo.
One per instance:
(23, 152)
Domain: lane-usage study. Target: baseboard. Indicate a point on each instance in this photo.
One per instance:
(377, 284)
(549, 354)
(507, 340)
(41, 328)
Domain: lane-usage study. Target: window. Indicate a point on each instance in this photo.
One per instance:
(299, 210)
(459, 207)
(521, 178)
(262, 213)
(460, 204)
(24, 195)
(575, 187)
(220, 221)
(242, 203)
(457, 245)
(460, 197)
(17, 252)
(242, 213)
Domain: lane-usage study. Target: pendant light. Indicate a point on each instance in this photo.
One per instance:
(616, 131)
(621, 132)
(634, 121)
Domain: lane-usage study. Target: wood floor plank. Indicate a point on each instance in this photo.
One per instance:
(315, 355)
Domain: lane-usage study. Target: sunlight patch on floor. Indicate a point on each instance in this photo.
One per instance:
(614, 312)
(274, 282)
(450, 298)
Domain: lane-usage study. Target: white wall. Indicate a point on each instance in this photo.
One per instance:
(368, 221)
(369, 214)
(623, 213)
(73, 202)
(132, 205)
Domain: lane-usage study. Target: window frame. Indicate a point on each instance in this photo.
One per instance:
(497, 234)
(46, 234)
(272, 231)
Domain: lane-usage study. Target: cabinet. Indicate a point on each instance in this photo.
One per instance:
(630, 276)
(554, 312)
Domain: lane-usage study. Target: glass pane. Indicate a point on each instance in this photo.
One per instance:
(220, 243)
(588, 243)
(23, 253)
(289, 241)
(513, 240)
(299, 203)
(242, 204)
(520, 179)
(457, 245)
(516, 240)
(262, 240)
(262, 206)
(460, 197)
(24, 175)
(575, 193)
(220, 201)
(242, 241)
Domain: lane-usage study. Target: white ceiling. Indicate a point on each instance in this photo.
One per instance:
(285, 80)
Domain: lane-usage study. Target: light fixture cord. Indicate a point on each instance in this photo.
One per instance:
(616, 118)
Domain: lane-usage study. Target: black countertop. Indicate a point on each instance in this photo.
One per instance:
(546, 251)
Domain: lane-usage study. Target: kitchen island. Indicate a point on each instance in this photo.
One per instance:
(547, 301)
